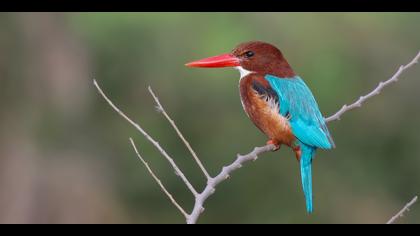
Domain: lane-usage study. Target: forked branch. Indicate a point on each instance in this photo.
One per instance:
(150, 139)
(212, 182)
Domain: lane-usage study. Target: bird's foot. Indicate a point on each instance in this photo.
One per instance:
(275, 143)
(298, 153)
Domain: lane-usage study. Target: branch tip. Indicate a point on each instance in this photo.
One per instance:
(402, 211)
(374, 92)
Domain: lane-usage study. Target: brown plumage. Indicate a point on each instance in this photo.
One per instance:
(262, 108)
(266, 59)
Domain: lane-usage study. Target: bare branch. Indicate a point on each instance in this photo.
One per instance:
(374, 92)
(222, 176)
(187, 144)
(226, 171)
(402, 211)
(158, 181)
(148, 137)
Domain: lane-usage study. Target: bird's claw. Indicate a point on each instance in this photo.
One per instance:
(276, 144)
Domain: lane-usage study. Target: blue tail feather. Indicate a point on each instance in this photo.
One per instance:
(306, 173)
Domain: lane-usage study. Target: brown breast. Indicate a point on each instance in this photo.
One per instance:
(263, 110)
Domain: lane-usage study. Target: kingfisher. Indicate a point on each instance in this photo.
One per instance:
(278, 102)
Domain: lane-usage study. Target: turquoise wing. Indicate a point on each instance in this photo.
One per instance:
(297, 101)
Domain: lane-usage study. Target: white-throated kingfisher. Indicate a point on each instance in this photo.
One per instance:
(278, 102)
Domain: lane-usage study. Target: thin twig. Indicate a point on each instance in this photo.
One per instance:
(402, 211)
(148, 137)
(374, 92)
(158, 181)
(187, 144)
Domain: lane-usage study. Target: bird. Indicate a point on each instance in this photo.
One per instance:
(278, 102)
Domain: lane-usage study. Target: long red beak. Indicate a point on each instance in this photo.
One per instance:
(224, 60)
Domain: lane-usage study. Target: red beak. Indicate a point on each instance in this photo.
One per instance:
(225, 60)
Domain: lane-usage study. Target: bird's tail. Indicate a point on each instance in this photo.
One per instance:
(306, 173)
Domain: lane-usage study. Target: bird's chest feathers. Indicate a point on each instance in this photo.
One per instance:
(262, 106)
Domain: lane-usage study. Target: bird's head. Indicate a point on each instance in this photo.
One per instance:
(250, 57)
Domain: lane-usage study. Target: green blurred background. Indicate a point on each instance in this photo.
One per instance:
(66, 158)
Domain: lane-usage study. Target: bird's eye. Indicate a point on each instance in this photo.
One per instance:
(249, 54)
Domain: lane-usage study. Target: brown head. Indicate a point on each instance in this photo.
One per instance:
(255, 56)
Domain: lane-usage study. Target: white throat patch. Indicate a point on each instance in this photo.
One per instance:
(243, 71)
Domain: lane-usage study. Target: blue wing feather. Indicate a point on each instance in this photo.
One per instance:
(307, 122)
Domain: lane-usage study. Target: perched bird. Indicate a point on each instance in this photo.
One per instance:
(278, 102)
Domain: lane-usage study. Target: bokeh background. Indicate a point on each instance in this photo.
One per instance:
(65, 155)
